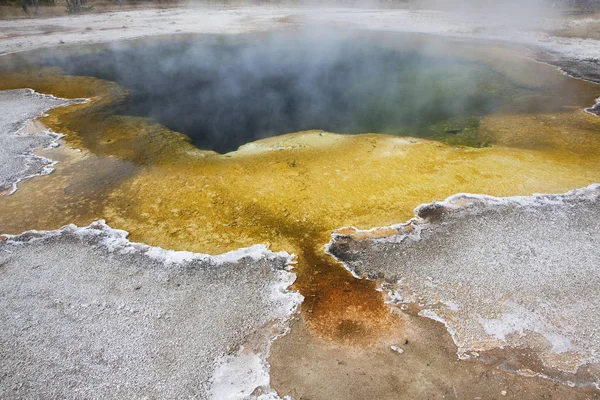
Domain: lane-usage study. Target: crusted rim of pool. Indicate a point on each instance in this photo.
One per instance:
(19, 161)
(93, 288)
(520, 288)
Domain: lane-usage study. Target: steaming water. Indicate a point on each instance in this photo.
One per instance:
(224, 92)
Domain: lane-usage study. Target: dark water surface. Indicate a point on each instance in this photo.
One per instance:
(224, 92)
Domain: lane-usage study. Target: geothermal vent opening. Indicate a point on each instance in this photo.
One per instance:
(224, 92)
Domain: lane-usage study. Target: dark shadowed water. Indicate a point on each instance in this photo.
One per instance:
(225, 92)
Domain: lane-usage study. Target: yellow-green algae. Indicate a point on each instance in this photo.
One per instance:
(292, 191)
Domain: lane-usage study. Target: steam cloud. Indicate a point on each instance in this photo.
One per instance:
(225, 92)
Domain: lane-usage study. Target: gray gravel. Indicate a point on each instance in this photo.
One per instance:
(518, 272)
(16, 160)
(85, 314)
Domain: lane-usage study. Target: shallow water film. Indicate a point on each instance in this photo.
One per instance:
(210, 144)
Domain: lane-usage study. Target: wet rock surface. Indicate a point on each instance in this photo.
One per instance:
(16, 160)
(84, 313)
(518, 272)
(306, 367)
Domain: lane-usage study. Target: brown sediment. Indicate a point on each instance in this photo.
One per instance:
(292, 191)
(337, 306)
(307, 367)
(528, 363)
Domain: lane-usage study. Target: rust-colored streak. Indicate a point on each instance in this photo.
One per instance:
(338, 306)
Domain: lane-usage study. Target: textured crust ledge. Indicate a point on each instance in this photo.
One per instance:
(86, 311)
(516, 272)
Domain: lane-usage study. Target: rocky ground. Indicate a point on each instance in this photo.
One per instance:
(498, 272)
(84, 313)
